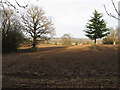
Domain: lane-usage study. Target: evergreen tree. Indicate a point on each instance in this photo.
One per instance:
(96, 28)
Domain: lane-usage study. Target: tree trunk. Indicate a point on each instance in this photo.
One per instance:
(34, 42)
(114, 43)
(95, 45)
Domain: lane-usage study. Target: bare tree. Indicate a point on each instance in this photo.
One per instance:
(114, 35)
(116, 17)
(10, 28)
(117, 11)
(7, 10)
(66, 39)
(37, 25)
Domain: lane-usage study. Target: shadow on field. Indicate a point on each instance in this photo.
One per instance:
(98, 47)
(38, 49)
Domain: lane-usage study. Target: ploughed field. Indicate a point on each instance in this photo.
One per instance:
(62, 67)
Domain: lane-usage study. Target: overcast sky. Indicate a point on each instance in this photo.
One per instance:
(71, 16)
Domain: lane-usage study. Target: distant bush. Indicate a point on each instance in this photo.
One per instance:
(112, 38)
(107, 41)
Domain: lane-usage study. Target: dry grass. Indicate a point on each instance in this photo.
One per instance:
(59, 66)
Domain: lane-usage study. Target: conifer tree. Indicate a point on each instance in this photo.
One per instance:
(96, 28)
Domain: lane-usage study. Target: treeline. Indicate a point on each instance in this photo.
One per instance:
(67, 39)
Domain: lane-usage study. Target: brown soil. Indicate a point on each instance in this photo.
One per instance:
(59, 66)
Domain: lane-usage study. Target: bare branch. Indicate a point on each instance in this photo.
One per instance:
(106, 10)
(111, 15)
(21, 5)
(10, 5)
(115, 7)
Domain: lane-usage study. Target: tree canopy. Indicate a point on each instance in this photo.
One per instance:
(96, 28)
(37, 25)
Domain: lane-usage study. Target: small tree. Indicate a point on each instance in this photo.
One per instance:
(66, 39)
(96, 28)
(37, 25)
(114, 35)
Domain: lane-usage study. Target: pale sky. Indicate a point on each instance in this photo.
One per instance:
(71, 16)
